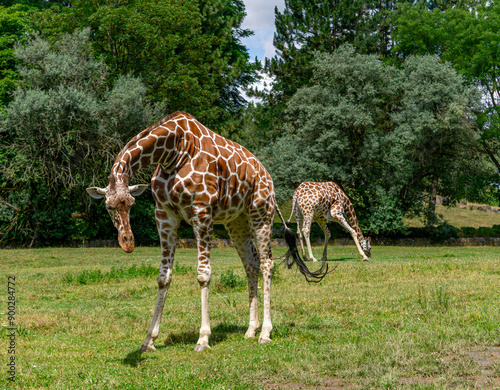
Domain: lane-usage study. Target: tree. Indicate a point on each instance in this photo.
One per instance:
(384, 134)
(188, 54)
(468, 37)
(60, 132)
(13, 29)
(306, 27)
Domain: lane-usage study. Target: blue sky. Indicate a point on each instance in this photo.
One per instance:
(260, 19)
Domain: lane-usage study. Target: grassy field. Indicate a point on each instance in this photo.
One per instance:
(411, 318)
(462, 217)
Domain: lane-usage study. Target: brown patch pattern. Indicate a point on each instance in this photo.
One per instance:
(201, 178)
(323, 202)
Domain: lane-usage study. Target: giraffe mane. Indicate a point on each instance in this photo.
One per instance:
(147, 130)
(166, 119)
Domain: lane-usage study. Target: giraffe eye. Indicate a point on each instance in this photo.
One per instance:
(109, 208)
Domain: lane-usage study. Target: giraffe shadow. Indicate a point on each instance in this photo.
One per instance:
(219, 334)
(341, 259)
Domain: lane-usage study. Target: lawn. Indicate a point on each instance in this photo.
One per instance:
(411, 318)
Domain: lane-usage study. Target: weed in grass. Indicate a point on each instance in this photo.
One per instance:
(229, 280)
(438, 300)
(116, 273)
(182, 269)
(93, 276)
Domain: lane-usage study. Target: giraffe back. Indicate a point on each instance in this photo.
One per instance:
(316, 199)
(210, 171)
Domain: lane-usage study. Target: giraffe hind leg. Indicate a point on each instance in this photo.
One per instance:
(261, 230)
(239, 231)
(300, 226)
(307, 235)
(322, 224)
(202, 227)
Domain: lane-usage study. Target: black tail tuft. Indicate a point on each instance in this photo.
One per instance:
(293, 256)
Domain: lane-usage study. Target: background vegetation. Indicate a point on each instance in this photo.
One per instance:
(395, 101)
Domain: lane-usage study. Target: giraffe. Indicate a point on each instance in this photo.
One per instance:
(322, 202)
(201, 178)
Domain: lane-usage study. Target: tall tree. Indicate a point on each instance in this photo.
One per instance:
(189, 54)
(306, 27)
(13, 29)
(384, 134)
(60, 132)
(468, 37)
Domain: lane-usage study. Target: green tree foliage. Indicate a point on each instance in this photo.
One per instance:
(384, 134)
(305, 27)
(13, 29)
(62, 130)
(188, 54)
(468, 36)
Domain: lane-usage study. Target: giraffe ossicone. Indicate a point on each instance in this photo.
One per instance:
(322, 202)
(201, 178)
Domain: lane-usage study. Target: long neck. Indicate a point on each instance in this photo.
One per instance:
(166, 144)
(353, 220)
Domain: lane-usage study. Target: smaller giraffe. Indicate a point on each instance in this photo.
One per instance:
(322, 202)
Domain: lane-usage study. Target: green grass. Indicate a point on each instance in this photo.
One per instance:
(405, 320)
(462, 217)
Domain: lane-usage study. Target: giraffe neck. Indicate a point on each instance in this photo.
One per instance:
(353, 220)
(168, 144)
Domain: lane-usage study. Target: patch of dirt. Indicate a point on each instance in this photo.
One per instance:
(483, 356)
(326, 384)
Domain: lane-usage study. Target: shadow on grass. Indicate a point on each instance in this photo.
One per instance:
(342, 259)
(219, 334)
(134, 358)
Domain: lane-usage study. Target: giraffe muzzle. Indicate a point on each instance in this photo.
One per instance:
(126, 242)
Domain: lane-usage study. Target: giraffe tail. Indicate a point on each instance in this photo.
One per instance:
(293, 256)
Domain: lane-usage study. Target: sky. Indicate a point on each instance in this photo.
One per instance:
(260, 19)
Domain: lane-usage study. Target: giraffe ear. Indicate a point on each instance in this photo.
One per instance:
(137, 189)
(96, 192)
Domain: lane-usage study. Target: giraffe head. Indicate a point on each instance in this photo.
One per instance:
(366, 246)
(119, 199)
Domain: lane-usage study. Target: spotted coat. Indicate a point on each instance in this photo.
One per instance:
(201, 178)
(323, 202)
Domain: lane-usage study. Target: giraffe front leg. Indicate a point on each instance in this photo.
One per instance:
(344, 223)
(205, 331)
(168, 234)
(203, 232)
(163, 283)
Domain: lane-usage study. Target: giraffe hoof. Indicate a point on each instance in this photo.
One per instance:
(264, 340)
(201, 347)
(250, 334)
(147, 348)
(366, 259)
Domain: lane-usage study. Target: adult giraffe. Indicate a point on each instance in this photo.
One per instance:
(201, 178)
(322, 202)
